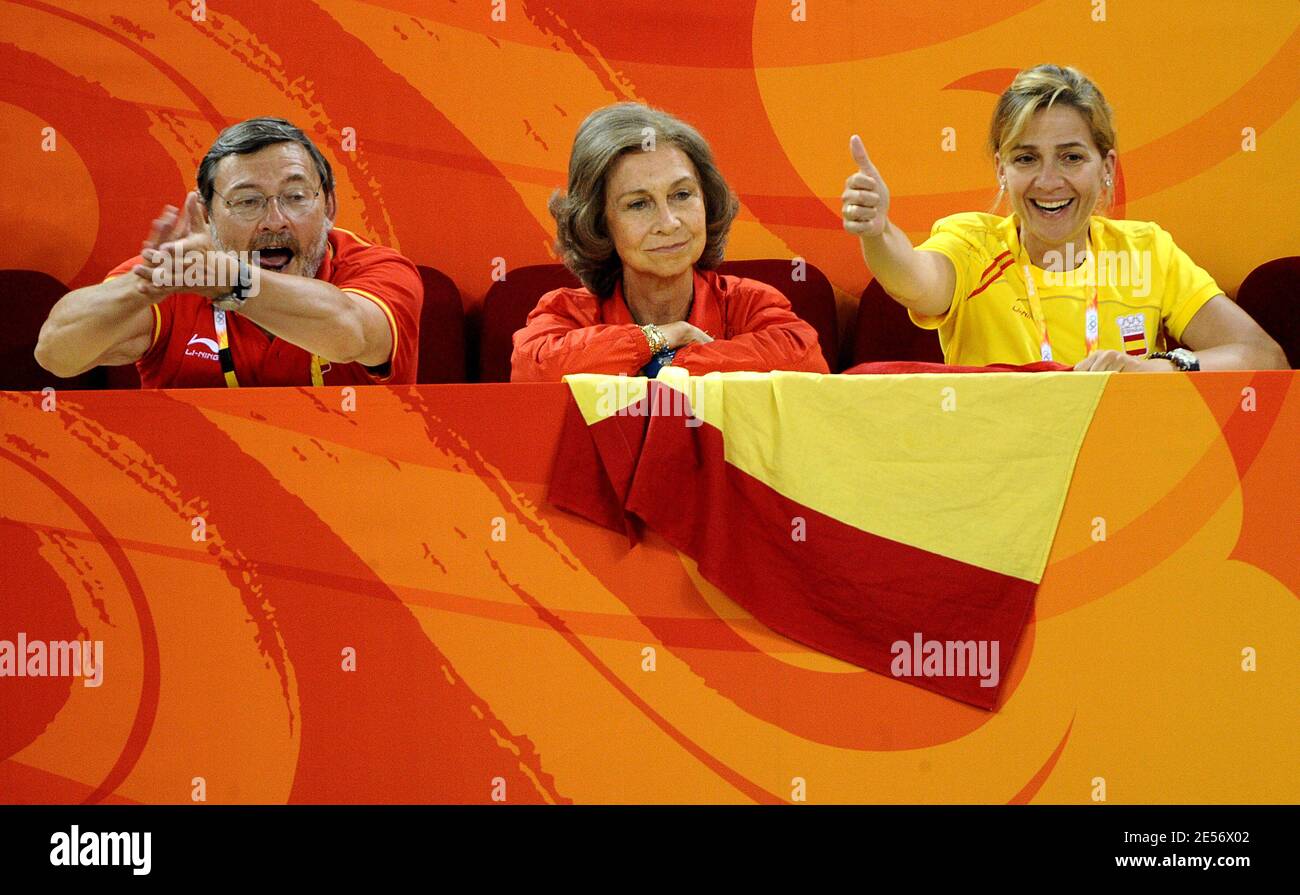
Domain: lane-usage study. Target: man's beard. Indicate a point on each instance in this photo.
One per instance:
(311, 260)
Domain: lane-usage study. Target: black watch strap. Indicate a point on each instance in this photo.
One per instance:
(1181, 358)
(238, 294)
(243, 282)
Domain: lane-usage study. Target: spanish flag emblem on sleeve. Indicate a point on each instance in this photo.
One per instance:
(853, 514)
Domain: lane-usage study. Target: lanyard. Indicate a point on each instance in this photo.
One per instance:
(228, 361)
(1091, 325)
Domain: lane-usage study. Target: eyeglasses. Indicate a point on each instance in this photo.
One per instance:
(294, 202)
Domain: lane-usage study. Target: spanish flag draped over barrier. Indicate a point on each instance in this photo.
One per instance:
(901, 522)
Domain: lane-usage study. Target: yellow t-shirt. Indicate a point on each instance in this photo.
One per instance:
(1146, 286)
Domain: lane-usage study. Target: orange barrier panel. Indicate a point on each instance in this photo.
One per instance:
(335, 596)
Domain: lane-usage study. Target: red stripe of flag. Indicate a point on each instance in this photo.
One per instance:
(843, 591)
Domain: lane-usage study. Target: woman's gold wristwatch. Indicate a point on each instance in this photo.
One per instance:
(655, 337)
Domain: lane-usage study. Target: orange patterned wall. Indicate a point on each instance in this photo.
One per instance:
(521, 655)
(463, 122)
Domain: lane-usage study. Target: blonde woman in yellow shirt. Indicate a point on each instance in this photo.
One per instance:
(1054, 280)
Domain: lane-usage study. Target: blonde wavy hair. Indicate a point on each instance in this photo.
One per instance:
(1039, 88)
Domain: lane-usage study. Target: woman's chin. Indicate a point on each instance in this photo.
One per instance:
(664, 267)
(1054, 233)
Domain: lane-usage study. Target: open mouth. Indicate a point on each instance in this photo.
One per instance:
(1052, 209)
(275, 259)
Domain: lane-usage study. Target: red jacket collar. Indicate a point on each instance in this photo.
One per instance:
(701, 303)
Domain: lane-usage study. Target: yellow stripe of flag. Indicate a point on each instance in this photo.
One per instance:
(974, 467)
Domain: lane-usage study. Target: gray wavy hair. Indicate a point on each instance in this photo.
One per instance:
(582, 239)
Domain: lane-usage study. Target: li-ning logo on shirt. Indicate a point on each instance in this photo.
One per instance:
(196, 339)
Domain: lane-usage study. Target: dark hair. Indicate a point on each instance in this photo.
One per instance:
(252, 135)
(582, 238)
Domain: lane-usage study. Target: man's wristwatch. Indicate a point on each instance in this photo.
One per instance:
(235, 298)
(1181, 358)
(655, 338)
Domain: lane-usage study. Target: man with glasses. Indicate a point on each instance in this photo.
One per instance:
(250, 284)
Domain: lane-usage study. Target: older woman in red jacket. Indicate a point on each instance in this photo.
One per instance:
(643, 225)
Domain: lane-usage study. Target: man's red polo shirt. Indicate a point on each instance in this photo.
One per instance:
(183, 350)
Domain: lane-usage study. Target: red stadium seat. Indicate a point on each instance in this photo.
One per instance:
(1271, 295)
(505, 310)
(125, 377)
(442, 330)
(508, 303)
(812, 298)
(28, 296)
(885, 333)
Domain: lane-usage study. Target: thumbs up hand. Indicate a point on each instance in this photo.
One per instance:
(865, 197)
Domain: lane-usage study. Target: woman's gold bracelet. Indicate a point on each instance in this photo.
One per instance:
(655, 337)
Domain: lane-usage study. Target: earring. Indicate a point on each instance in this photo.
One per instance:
(1107, 183)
